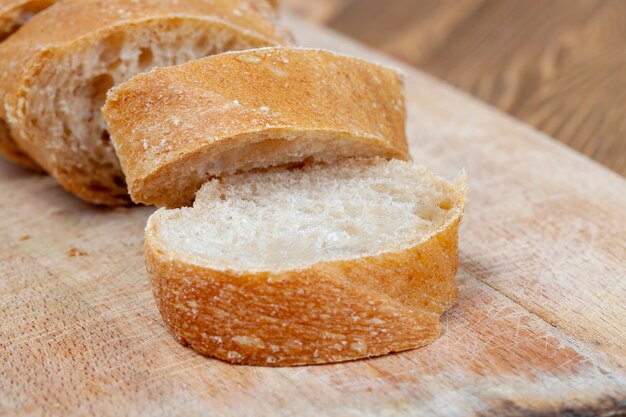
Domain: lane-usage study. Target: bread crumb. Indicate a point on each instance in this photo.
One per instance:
(24, 237)
(277, 71)
(249, 59)
(359, 346)
(73, 252)
(234, 355)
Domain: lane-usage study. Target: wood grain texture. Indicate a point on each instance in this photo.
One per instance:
(538, 330)
(559, 65)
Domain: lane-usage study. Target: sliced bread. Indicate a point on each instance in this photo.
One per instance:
(320, 264)
(13, 14)
(174, 128)
(55, 72)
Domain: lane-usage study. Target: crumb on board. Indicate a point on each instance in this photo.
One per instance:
(73, 251)
(24, 237)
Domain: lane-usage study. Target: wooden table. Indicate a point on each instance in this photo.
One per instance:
(538, 330)
(558, 65)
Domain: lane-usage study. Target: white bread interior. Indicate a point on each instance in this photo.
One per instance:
(286, 219)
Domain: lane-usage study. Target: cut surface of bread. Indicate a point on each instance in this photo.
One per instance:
(57, 69)
(319, 264)
(174, 128)
(13, 14)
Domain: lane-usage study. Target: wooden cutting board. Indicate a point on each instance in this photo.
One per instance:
(540, 327)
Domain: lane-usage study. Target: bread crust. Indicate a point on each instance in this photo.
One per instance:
(66, 27)
(327, 312)
(12, 152)
(14, 13)
(251, 109)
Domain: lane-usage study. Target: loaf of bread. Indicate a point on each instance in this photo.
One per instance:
(14, 13)
(313, 265)
(55, 72)
(174, 128)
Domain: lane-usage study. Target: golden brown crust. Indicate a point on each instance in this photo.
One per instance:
(257, 105)
(328, 312)
(69, 25)
(14, 13)
(10, 151)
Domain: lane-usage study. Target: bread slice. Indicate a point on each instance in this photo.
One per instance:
(14, 13)
(322, 264)
(56, 70)
(174, 128)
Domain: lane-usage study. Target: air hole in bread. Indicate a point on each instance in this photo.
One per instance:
(105, 137)
(309, 160)
(111, 47)
(100, 85)
(119, 180)
(146, 57)
(114, 65)
(229, 44)
(445, 204)
(202, 43)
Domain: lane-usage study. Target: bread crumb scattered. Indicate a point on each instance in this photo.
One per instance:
(73, 252)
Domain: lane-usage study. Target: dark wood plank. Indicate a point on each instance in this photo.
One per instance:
(559, 65)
